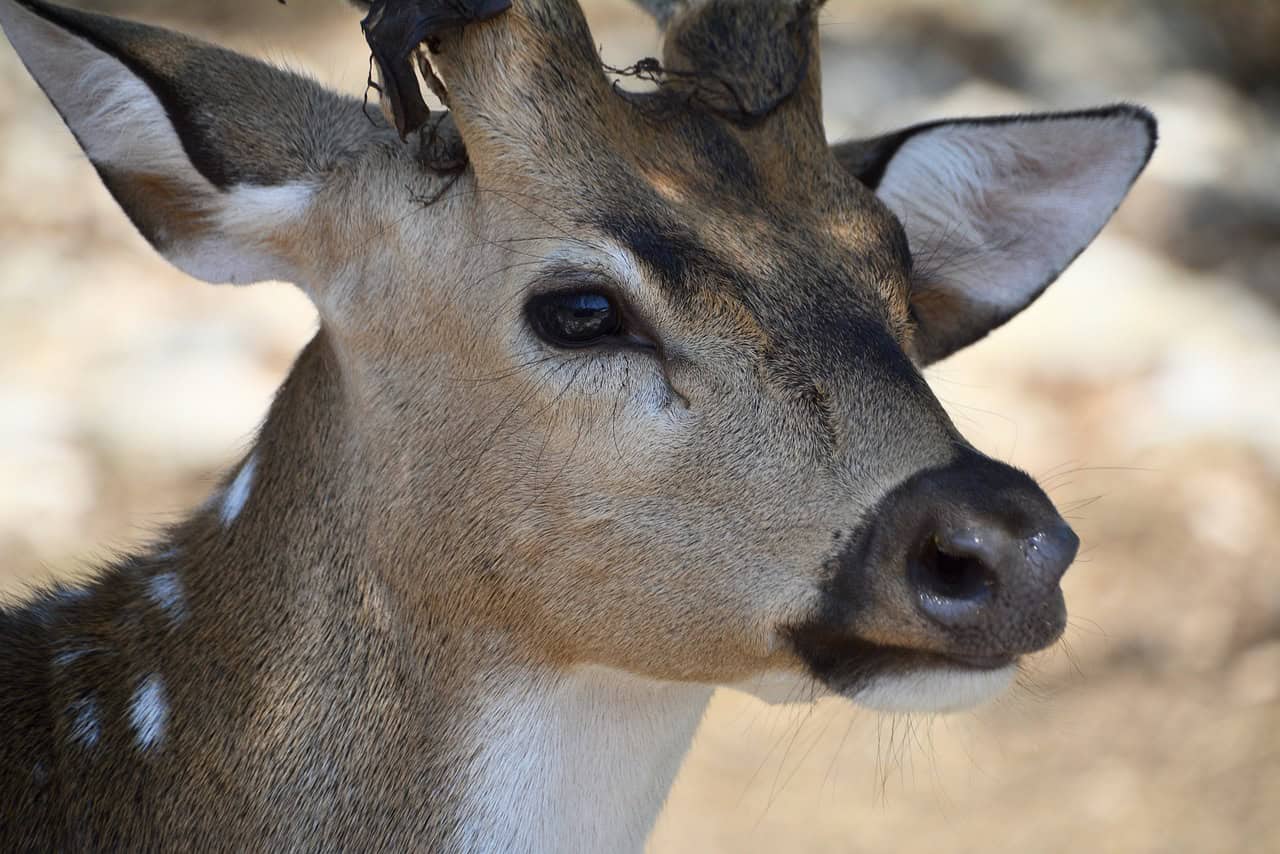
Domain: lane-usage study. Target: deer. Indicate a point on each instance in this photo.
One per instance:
(616, 397)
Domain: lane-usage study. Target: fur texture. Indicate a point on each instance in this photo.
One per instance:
(470, 590)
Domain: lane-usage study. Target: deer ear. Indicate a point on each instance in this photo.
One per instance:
(213, 156)
(996, 208)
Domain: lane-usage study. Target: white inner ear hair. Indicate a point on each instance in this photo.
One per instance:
(122, 125)
(998, 210)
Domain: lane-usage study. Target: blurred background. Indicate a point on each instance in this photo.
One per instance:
(1143, 389)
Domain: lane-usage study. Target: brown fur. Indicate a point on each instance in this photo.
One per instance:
(162, 209)
(439, 500)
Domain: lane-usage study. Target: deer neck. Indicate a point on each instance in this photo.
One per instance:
(374, 720)
(581, 760)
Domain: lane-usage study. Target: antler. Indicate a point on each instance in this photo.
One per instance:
(743, 59)
(396, 31)
(520, 74)
(524, 77)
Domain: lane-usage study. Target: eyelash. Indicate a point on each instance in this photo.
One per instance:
(586, 317)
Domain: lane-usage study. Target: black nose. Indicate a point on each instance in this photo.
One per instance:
(964, 560)
(966, 576)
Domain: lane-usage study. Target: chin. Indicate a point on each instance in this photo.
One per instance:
(782, 688)
(932, 686)
(937, 688)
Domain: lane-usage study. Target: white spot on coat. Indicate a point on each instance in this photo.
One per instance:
(68, 657)
(149, 712)
(166, 592)
(85, 729)
(238, 492)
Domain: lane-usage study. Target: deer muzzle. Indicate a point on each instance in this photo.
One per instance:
(958, 567)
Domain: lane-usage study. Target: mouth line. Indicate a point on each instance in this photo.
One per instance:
(843, 662)
(977, 662)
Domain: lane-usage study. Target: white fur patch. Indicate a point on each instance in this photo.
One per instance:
(167, 593)
(68, 657)
(121, 124)
(85, 728)
(1002, 208)
(624, 265)
(935, 689)
(233, 251)
(576, 761)
(149, 712)
(238, 492)
(249, 206)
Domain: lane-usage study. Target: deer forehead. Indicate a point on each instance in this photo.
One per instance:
(700, 231)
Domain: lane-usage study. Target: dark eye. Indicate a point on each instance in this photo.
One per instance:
(575, 319)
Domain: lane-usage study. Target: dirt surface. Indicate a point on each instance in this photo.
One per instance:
(1144, 390)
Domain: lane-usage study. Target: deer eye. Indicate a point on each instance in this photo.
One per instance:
(575, 318)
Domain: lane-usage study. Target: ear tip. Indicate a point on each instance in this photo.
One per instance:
(8, 7)
(74, 21)
(35, 7)
(1145, 119)
(18, 17)
(1142, 121)
(1137, 112)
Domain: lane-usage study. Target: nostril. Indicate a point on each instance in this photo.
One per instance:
(952, 573)
(958, 576)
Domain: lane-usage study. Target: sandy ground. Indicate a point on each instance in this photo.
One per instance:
(1142, 389)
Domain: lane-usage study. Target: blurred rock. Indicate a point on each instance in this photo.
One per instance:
(1233, 39)
(49, 482)
(1208, 130)
(1255, 677)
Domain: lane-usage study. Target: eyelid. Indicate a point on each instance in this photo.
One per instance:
(573, 277)
(639, 332)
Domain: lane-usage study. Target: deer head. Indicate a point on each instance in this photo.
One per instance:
(735, 464)
(636, 382)
(642, 385)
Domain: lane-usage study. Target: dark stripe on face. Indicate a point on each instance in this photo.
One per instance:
(667, 248)
(827, 332)
(821, 325)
